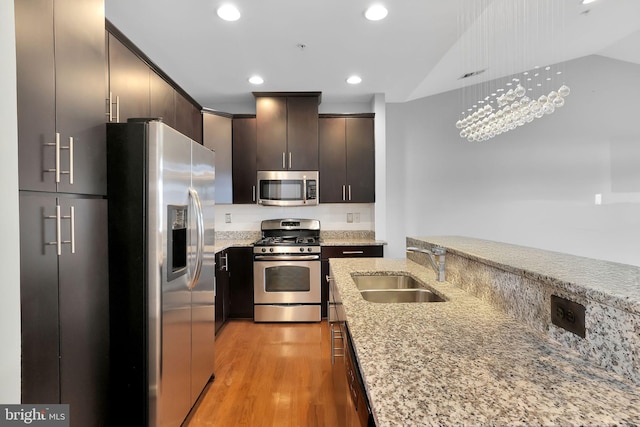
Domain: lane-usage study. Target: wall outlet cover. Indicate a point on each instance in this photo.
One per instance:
(227, 218)
(568, 315)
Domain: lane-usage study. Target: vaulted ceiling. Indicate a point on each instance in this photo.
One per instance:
(420, 49)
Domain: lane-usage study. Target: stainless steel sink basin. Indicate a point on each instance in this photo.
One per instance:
(400, 295)
(366, 282)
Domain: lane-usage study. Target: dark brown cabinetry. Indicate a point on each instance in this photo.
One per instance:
(362, 251)
(64, 304)
(347, 159)
(128, 83)
(241, 283)
(222, 288)
(162, 100)
(138, 88)
(60, 56)
(287, 131)
(61, 89)
(244, 159)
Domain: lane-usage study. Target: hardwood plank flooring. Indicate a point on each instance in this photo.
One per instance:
(269, 374)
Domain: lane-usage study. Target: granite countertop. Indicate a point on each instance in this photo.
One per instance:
(352, 241)
(462, 362)
(610, 283)
(222, 244)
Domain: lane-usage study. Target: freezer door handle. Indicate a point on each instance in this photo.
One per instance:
(199, 236)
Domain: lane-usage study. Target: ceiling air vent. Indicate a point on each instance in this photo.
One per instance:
(471, 74)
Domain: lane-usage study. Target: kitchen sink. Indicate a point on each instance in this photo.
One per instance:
(367, 282)
(400, 295)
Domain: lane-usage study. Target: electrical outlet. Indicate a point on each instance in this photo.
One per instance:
(356, 217)
(349, 217)
(568, 315)
(227, 218)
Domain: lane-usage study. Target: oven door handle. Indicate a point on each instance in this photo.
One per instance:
(286, 257)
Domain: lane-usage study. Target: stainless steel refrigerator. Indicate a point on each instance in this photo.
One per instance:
(161, 272)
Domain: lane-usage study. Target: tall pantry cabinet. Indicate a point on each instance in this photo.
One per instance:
(60, 48)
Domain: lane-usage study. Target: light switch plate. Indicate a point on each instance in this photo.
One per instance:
(227, 218)
(349, 217)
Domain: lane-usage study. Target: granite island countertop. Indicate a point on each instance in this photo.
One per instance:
(463, 362)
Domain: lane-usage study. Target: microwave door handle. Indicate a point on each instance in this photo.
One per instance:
(304, 189)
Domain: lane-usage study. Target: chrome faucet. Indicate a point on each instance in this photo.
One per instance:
(435, 251)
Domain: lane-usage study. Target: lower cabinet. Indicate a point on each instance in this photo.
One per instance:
(222, 288)
(241, 283)
(65, 304)
(363, 251)
(351, 403)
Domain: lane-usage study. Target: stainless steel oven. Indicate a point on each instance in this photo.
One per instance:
(286, 271)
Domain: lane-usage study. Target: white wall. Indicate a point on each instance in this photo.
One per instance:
(533, 186)
(10, 242)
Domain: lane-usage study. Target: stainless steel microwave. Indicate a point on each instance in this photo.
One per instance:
(287, 188)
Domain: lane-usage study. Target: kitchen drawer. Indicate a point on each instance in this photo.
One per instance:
(362, 251)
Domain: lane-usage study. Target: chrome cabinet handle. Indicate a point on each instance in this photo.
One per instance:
(328, 278)
(225, 265)
(352, 252)
(284, 165)
(59, 242)
(254, 193)
(290, 164)
(70, 171)
(349, 192)
(56, 146)
(344, 189)
(111, 103)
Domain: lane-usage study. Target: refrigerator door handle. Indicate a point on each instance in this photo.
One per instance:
(200, 236)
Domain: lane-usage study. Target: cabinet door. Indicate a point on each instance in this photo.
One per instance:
(333, 161)
(302, 133)
(80, 90)
(84, 310)
(222, 289)
(217, 134)
(36, 94)
(271, 128)
(129, 81)
(161, 100)
(39, 298)
(360, 160)
(244, 160)
(241, 282)
(188, 118)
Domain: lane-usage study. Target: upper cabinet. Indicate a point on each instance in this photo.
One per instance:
(347, 158)
(244, 159)
(287, 130)
(216, 130)
(128, 83)
(61, 92)
(138, 88)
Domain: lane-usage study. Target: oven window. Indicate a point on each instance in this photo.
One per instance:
(287, 278)
(281, 189)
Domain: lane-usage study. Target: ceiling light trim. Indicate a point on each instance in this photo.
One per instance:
(376, 12)
(228, 12)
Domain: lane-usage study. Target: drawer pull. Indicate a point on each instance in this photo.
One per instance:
(352, 252)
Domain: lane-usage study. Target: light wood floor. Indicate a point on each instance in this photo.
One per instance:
(269, 374)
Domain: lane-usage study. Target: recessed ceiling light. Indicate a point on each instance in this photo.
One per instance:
(256, 80)
(586, 1)
(354, 80)
(376, 12)
(228, 12)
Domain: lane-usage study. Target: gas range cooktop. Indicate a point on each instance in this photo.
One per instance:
(289, 235)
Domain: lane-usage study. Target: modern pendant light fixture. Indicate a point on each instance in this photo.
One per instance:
(503, 104)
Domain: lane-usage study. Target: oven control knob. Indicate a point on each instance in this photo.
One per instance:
(301, 249)
(308, 249)
(270, 249)
(264, 249)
